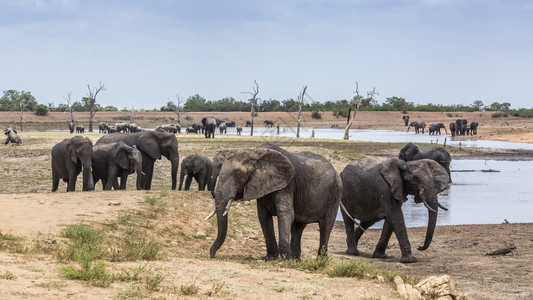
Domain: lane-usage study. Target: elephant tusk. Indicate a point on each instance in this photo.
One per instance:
(211, 214)
(440, 205)
(226, 210)
(428, 207)
(143, 173)
(348, 214)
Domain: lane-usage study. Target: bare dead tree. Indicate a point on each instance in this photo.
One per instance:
(132, 114)
(178, 107)
(357, 102)
(93, 92)
(22, 106)
(69, 106)
(253, 103)
(300, 107)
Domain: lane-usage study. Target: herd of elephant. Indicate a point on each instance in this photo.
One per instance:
(459, 127)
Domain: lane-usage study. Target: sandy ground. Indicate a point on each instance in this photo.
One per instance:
(30, 211)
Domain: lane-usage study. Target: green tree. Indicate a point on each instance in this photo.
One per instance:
(478, 104)
(399, 103)
(17, 100)
(41, 110)
(170, 106)
(195, 103)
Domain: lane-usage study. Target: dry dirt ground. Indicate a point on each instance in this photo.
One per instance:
(32, 214)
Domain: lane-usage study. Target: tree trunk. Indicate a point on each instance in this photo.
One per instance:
(21, 114)
(347, 131)
(252, 127)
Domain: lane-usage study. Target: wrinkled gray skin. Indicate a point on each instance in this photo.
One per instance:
(71, 127)
(222, 128)
(102, 127)
(473, 128)
(418, 125)
(111, 161)
(69, 158)
(210, 125)
(218, 160)
(411, 152)
(434, 128)
(375, 191)
(406, 120)
(298, 188)
(121, 127)
(152, 145)
(12, 136)
(197, 166)
(453, 128)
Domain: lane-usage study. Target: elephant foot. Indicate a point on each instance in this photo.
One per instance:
(379, 254)
(353, 251)
(270, 257)
(409, 258)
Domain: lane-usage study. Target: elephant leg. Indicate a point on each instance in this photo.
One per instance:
(285, 214)
(267, 226)
(72, 181)
(353, 234)
(296, 238)
(397, 222)
(201, 182)
(386, 233)
(55, 180)
(188, 180)
(147, 182)
(123, 179)
(104, 183)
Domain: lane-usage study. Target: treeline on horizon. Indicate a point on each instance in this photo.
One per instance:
(13, 100)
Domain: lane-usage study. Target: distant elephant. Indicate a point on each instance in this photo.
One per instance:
(110, 161)
(453, 128)
(80, 129)
(222, 128)
(121, 127)
(190, 130)
(434, 128)
(71, 127)
(197, 128)
(132, 128)
(69, 158)
(285, 185)
(248, 124)
(210, 125)
(473, 128)
(411, 152)
(239, 130)
(12, 136)
(230, 124)
(268, 123)
(111, 129)
(375, 191)
(152, 145)
(102, 127)
(418, 125)
(406, 120)
(197, 166)
(460, 129)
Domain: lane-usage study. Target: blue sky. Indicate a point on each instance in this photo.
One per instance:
(145, 52)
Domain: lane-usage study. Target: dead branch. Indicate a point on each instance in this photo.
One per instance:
(502, 251)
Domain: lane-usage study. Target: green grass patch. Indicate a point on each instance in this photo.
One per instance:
(189, 289)
(360, 269)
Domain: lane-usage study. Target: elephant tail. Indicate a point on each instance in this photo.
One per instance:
(348, 214)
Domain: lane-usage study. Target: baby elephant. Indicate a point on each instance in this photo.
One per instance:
(197, 166)
(12, 136)
(113, 160)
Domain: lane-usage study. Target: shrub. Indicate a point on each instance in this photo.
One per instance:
(189, 118)
(449, 115)
(41, 110)
(499, 115)
(316, 115)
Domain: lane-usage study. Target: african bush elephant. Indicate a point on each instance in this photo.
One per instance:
(411, 152)
(152, 145)
(230, 124)
(434, 128)
(132, 128)
(111, 161)
(473, 128)
(111, 129)
(190, 130)
(239, 130)
(222, 128)
(103, 127)
(121, 127)
(268, 123)
(453, 128)
(406, 120)
(210, 125)
(375, 191)
(284, 185)
(71, 127)
(248, 124)
(197, 166)
(12, 136)
(80, 129)
(461, 126)
(69, 158)
(418, 125)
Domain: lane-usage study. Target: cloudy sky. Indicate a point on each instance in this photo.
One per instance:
(145, 52)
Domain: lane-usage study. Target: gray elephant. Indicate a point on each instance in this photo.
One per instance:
(461, 126)
(406, 120)
(103, 127)
(453, 128)
(248, 123)
(80, 129)
(197, 166)
(12, 136)
(121, 127)
(222, 128)
(285, 185)
(375, 191)
(110, 161)
(111, 129)
(411, 152)
(239, 130)
(152, 145)
(473, 128)
(210, 124)
(418, 125)
(190, 129)
(69, 158)
(71, 127)
(434, 128)
(132, 128)
(268, 123)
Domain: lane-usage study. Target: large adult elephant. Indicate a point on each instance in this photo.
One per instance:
(69, 158)
(285, 185)
(152, 145)
(411, 152)
(71, 127)
(461, 126)
(110, 161)
(418, 125)
(473, 128)
(375, 191)
(80, 129)
(434, 128)
(210, 125)
(406, 120)
(121, 127)
(197, 166)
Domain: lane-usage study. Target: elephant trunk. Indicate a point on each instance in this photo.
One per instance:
(174, 172)
(432, 223)
(445, 129)
(139, 172)
(222, 224)
(88, 183)
(408, 127)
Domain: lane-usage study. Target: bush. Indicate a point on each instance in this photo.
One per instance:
(316, 115)
(449, 115)
(499, 115)
(41, 110)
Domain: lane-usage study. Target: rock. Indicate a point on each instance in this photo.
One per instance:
(406, 290)
(473, 296)
(434, 287)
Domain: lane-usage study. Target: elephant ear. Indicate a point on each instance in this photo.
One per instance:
(390, 170)
(441, 179)
(71, 150)
(197, 163)
(120, 156)
(149, 143)
(273, 171)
